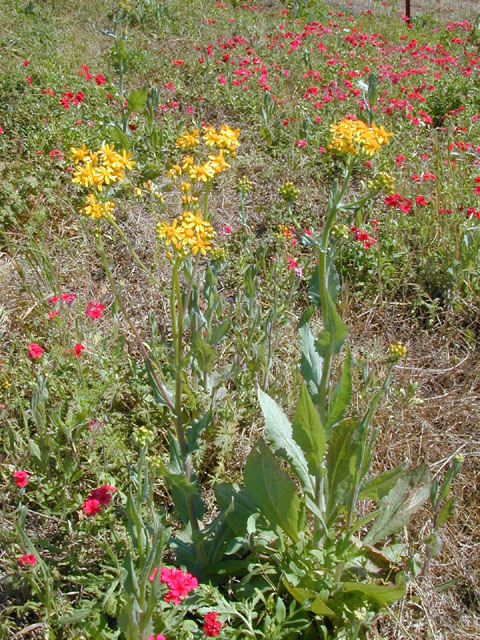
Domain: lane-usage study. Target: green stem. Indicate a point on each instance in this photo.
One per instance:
(177, 335)
(139, 340)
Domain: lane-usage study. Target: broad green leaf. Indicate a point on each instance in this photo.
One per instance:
(397, 507)
(333, 285)
(311, 364)
(308, 431)
(237, 505)
(380, 485)
(278, 432)
(341, 396)
(272, 489)
(343, 458)
(302, 595)
(137, 99)
(381, 594)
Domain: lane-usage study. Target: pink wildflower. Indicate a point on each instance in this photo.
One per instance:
(21, 478)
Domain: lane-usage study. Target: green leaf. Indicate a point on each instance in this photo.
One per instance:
(333, 285)
(341, 396)
(278, 432)
(220, 331)
(119, 138)
(343, 457)
(379, 486)
(302, 595)
(137, 99)
(204, 354)
(237, 505)
(77, 616)
(397, 507)
(311, 364)
(381, 594)
(272, 489)
(195, 431)
(308, 431)
(445, 512)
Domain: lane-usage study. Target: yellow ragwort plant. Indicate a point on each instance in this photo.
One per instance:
(97, 171)
(355, 137)
(191, 232)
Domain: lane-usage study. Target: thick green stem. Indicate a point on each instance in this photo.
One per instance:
(177, 335)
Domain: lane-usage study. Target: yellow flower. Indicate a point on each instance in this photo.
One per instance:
(355, 136)
(195, 221)
(210, 136)
(79, 154)
(84, 175)
(228, 138)
(187, 161)
(174, 171)
(109, 154)
(219, 163)
(188, 140)
(201, 172)
(138, 192)
(95, 209)
(125, 159)
(169, 233)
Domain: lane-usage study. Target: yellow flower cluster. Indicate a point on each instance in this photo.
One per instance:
(355, 137)
(97, 170)
(397, 350)
(226, 141)
(188, 234)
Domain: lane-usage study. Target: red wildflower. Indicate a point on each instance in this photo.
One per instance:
(29, 79)
(180, 583)
(421, 200)
(103, 494)
(77, 349)
(52, 314)
(157, 637)
(68, 297)
(91, 506)
(94, 310)
(29, 558)
(21, 478)
(211, 625)
(35, 350)
(99, 79)
(26, 63)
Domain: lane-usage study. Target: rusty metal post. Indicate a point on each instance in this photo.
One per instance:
(407, 9)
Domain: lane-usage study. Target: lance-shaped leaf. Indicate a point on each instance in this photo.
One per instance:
(343, 457)
(341, 396)
(311, 363)
(274, 492)
(308, 431)
(278, 432)
(377, 487)
(379, 593)
(237, 505)
(397, 507)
